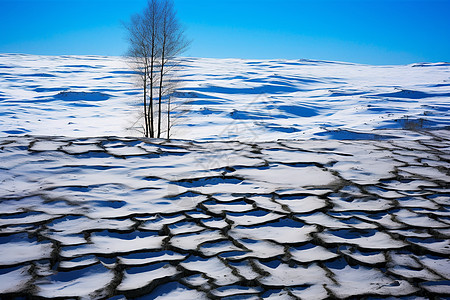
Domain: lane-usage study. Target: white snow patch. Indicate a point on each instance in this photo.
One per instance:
(20, 252)
(142, 279)
(15, 281)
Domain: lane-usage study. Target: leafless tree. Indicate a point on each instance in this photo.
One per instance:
(172, 42)
(139, 58)
(155, 38)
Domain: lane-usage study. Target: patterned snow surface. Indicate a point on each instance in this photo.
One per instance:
(310, 219)
(338, 186)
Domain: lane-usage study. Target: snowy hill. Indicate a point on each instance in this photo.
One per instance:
(289, 179)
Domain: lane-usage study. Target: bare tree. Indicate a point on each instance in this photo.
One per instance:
(156, 38)
(139, 56)
(152, 15)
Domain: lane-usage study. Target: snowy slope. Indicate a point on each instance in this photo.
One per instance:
(225, 98)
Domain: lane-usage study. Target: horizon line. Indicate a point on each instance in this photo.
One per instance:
(238, 58)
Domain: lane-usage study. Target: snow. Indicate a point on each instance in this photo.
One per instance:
(192, 241)
(440, 246)
(182, 293)
(252, 218)
(141, 279)
(364, 204)
(82, 261)
(327, 221)
(259, 249)
(196, 280)
(215, 224)
(418, 220)
(148, 258)
(304, 204)
(311, 292)
(245, 270)
(213, 268)
(235, 291)
(15, 280)
(90, 283)
(423, 274)
(284, 275)
(267, 203)
(437, 265)
(110, 245)
(16, 252)
(158, 222)
(370, 258)
(361, 280)
(229, 207)
(26, 219)
(224, 98)
(282, 234)
(185, 228)
(283, 179)
(370, 240)
(217, 248)
(437, 287)
(75, 225)
(311, 254)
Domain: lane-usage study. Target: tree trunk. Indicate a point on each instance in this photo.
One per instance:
(150, 109)
(168, 117)
(145, 105)
(161, 85)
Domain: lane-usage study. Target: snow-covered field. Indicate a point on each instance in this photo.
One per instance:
(236, 99)
(285, 179)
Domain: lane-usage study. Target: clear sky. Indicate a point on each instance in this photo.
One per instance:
(363, 31)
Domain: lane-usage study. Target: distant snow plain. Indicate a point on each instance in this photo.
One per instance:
(232, 99)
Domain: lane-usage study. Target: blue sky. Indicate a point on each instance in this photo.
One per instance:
(363, 31)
